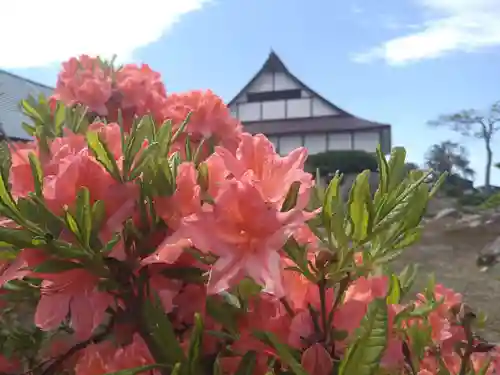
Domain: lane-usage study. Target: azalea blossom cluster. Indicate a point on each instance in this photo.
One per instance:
(221, 238)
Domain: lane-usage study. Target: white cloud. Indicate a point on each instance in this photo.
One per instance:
(38, 33)
(452, 25)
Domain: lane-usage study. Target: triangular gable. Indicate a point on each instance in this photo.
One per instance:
(274, 76)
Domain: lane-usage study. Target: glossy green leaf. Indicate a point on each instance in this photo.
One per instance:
(383, 167)
(195, 344)
(98, 213)
(333, 213)
(19, 238)
(84, 215)
(364, 355)
(217, 370)
(181, 128)
(394, 295)
(72, 224)
(291, 197)
(29, 129)
(30, 110)
(247, 364)
(161, 331)
(187, 274)
(437, 185)
(6, 198)
(397, 168)
(137, 370)
(54, 266)
(360, 207)
(284, 353)
(36, 171)
(103, 154)
(407, 278)
(223, 313)
(144, 159)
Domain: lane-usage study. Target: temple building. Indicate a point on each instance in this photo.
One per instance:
(276, 103)
(13, 89)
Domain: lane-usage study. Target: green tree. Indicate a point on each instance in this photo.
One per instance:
(477, 124)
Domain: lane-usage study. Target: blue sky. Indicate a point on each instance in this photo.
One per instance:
(403, 62)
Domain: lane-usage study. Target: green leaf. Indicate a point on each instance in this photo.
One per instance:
(247, 364)
(360, 207)
(182, 128)
(54, 266)
(137, 370)
(291, 197)
(84, 215)
(437, 185)
(383, 167)
(217, 370)
(19, 238)
(397, 168)
(161, 331)
(187, 274)
(223, 313)
(394, 295)
(333, 214)
(177, 369)
(98, 214)
(364, 355)
(195, 344)
(37, 172)
(6, 198)
(142, 162)
(407, 278)
(30, 130)
(59, 118)
(284, 353)
(103, 154)
(30, 111)
(72, 224)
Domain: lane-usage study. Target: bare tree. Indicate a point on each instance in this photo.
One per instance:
(474, 123)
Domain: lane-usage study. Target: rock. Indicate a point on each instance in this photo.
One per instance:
(489, 255)
(471, 221)
(448, 212)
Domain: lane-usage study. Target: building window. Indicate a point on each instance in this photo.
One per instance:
(274, 95)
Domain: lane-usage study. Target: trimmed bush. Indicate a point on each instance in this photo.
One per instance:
(347, 162)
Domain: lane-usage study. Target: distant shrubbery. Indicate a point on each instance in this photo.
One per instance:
(347, 162)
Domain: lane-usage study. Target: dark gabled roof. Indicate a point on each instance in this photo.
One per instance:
(330, 124)
(273, 64)
(2, 71)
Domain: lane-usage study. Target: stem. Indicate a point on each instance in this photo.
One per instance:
(53, 368)
(322, 299)
(287, 306)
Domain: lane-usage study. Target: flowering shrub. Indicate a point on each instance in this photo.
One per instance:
(147, 233)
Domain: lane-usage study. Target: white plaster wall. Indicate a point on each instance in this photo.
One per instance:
(366, 141)
(283, 81)
(339, 141)
(315, 143)
(273, 110)
(289, 143)
(298, 108)
(249, 112)
(320, 108)
(263, 83)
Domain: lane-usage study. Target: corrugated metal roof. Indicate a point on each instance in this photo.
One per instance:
(13, 89)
